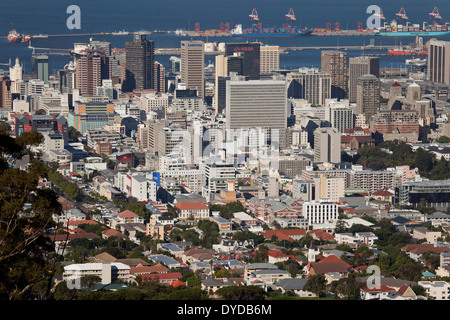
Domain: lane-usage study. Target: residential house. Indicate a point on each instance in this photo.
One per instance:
(212, 285)
(228, 245)
(381, 292)
(198, 254)
(142, 270)
(165, 260)
(415, 251)
(294, 285)
(275, 256)
(290, 235)
(164, 278)
(269, 276)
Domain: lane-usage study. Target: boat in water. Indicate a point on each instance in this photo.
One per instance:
(238, 31)
(14, 36)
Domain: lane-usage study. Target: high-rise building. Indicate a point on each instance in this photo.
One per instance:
(139, 64)
(251, 63)
(439, 61)
(368, 95)
(335, 63)
(192, 66)
(174, 64)
(339, 114)
(92, 66)
(269, 59)
(5, 93)
(39, 67)
(159, 77)
(327, 145)
(310, 84)
(258, 104)
(359, 66)
(224, 66)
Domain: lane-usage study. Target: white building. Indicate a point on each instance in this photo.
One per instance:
(107, 271)
(439, 290)
(320, 212)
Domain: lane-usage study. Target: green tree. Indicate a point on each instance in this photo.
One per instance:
(316, 284)
(241, 293)
(24, 247)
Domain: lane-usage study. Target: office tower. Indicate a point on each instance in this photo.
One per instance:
(439, 61)
(91, 67)
(224, 66)
(251, 62)
(368, 95)
(139, 64)
(327, 145)
(359, 66)
(5, 93)
(39, 67)
(192, 66)
(260, 104)
(159, 77)
(269, 59)
(310, 84)
(335, 63)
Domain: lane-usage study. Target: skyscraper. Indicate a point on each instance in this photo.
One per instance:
(260, 104)
(251, 63)
(39, 67)
(224, 66)
(192, 66)
(269, 59)
(139, 64)
(92, 66)
(359, 66)
(310, 84)
(367, 95)
(335, 63)
(159, 77)
(439, 61)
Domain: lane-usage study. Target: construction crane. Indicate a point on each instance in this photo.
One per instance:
(254, 15)
(435, 14)
(402, 14)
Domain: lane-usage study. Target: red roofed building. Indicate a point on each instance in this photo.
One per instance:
(383, 195)
(377, 293)
(276, 256)
(142, 270)
(290, 235)
(196, 210)
(75, 224)
(129, 216)
(321, 235)
(164, 278)
(357, 137)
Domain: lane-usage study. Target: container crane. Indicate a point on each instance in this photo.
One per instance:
(380, 15)
(402, 14)
(291, 15)
(435, 14)
(254, 15)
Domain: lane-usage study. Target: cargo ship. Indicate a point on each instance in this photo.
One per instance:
(395, 29)
(287, 30)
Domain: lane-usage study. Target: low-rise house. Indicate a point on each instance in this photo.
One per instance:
(406, 292)
(212, 285)
(60, 240)
(319, 234)
(142, 270)
(294, 285)
(127, 216)
(290, 235)
(113, 233)
(198, 254)
(381, 292)
(367, 238)
(250, 268)
(164, 278)
(345, 238)
(172, 248)
(228, 245)
(269, 277)
(165, 260)
(275, 256)
(415, 251)
(244, 218)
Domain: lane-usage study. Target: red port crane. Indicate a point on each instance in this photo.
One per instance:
(254, 15)
(380, 15)
(435, 14)
(402, 14)
(291, 15)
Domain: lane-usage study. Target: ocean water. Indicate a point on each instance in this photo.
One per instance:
(50, 16)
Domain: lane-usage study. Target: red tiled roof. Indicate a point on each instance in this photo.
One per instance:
(191, 206)
(127, 214)
(333, 258)
(396, 84)
(322, 235)
(382, 288)
(178, 283)
(276, 254)
(77, 223)
(383, 193)
(159, 268)
(162, 276)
